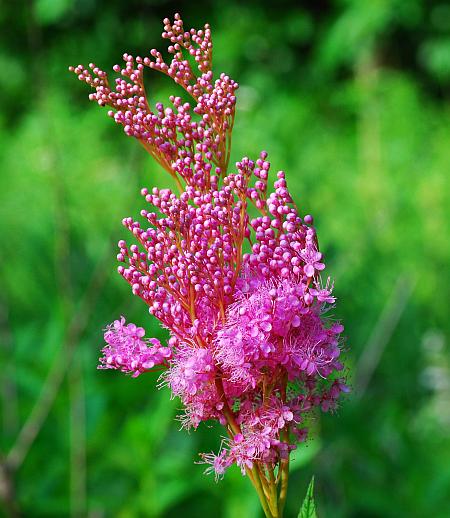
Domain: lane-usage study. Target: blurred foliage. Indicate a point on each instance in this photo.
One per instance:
(351, 99)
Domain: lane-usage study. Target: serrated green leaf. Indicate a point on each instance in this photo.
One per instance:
(308, 509)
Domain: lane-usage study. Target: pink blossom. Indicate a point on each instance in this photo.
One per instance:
(250, 343)
(323, 294)
(128, 351)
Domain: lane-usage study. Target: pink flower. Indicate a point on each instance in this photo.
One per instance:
(323, 294)
(128, 351)
(250, 344)
(218, 464)
(311, 256)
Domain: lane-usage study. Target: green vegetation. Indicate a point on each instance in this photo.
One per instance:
(349, 99)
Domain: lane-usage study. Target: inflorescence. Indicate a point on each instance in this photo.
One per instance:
(252, 344)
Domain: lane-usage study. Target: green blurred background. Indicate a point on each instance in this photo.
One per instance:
(350, 98)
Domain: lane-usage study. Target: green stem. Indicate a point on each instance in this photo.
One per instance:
(284, 463)
(273, 491)
(284, 469)
(262, 497)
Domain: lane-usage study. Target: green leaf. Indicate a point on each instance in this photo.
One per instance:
(308, 509)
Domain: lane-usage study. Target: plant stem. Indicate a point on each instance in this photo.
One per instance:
(273, 490)
(284, 463)
(262, 497)
(284, 469)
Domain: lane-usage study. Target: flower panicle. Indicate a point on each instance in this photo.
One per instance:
(257, 321)
(228, 265)
(192, 144)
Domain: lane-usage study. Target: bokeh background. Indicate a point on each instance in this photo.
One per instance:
(350, 98)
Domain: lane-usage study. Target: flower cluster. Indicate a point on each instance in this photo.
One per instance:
(128, 351)
(181, 144)
(252, 344)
